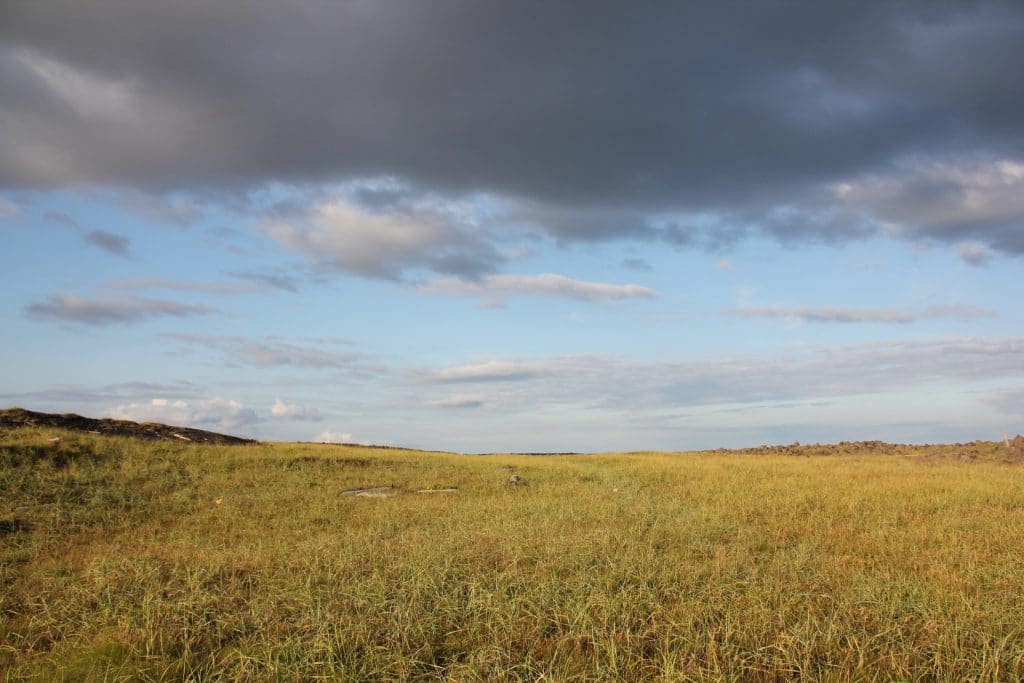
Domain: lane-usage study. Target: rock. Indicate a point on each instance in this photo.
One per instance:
(375, 492)
(438, 491)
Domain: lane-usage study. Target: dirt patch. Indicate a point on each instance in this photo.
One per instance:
(148, 431)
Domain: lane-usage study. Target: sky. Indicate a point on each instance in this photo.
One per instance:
(489, 226)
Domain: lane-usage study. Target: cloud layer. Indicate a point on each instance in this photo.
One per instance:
(610, 383)
(838, 314)
(269, 353)
(292, 411)
(65, 307)
(545, 284)
(694, 123)
(217, 412)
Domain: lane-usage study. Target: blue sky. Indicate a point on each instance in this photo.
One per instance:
(343, 229)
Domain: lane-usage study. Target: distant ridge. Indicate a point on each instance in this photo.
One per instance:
(148, 431)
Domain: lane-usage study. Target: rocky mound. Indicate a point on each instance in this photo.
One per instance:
(1010, 451)
(148, 431)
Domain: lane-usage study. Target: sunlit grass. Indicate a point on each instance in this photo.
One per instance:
(124, 560)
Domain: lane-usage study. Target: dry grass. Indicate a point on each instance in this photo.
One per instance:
(162, 561)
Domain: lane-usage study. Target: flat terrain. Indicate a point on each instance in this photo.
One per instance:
(123, 559)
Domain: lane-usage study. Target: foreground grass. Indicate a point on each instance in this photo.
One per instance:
(121, 560)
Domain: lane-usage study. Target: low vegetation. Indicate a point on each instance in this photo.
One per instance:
(168, 560)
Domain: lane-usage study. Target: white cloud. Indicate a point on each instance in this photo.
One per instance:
(613, 383)
(544, 284)
(333, 437)
(489, 371)
(951, 201)
(217, 412)
(291, 411)
(385, 242)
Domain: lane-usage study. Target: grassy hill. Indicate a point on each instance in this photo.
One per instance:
(123, 559)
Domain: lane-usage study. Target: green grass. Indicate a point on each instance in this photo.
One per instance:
(123, 560)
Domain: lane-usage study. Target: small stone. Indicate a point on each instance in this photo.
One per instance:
(376, 492)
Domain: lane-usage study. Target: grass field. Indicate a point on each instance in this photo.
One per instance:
(126, 560)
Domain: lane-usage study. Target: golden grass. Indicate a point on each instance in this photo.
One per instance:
(124, 560)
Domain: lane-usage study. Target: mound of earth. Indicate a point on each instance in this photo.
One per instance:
(148, 431)
(1016, 448)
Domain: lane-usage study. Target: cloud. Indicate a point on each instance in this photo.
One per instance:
(64, 307)
(142, 283)
(121, 391)
(458, 401)
(217, 412)
(290, 411)
(333, 437)
(268, 279)
(980, 202)
(8, 209)
(269, 353)
(636, 264)
(1010, 404)
(339, 235)
(545, 284)
(589, 138)
(602, 383)
(108, 241)
(838, 314)
(182, 212)
(974, 253)
(60, 218)
(489, 371)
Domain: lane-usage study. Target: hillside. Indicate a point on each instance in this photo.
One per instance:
(149, 431)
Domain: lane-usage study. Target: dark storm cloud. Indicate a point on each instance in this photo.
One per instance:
(695, 123)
